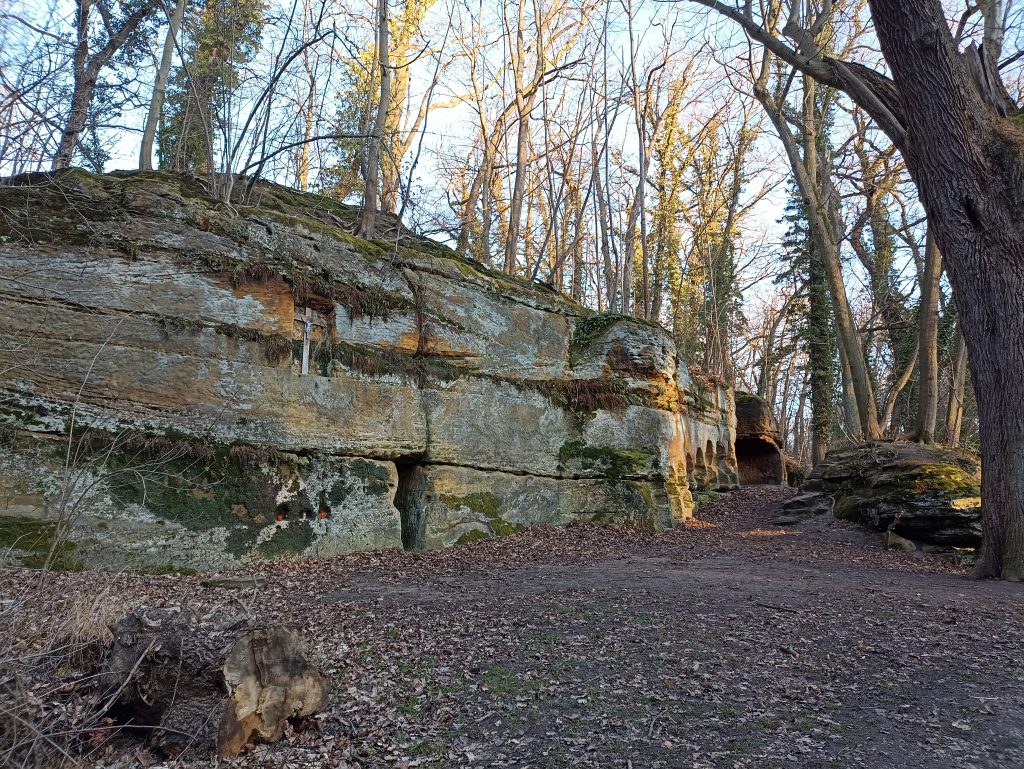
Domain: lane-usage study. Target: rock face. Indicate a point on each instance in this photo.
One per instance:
(758, 442)
(167, 335)
(926, 494)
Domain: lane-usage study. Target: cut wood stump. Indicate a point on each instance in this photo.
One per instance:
(200, 684)
(269, 682)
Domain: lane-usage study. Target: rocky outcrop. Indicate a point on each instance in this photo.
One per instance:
(758, 442)
(926, 494)
(191, 385)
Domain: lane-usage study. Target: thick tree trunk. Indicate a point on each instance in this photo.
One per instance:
(368, 219)
(928, 343)
(156, 103)
(85, 77)
(967, 163)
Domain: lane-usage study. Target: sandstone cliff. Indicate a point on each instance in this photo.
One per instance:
(759, 454)
(443, 401)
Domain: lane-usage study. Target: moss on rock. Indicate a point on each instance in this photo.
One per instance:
(32, 539)
(473, 535)
(923, 493)
(483, 502)
(609, 462)
(486, 505)
(289, 538)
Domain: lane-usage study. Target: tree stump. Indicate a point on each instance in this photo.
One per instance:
(200, 685)
(269, 681)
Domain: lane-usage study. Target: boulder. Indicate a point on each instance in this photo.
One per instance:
(758, 442)
(253, 381)
(925, 494)
(808, 503)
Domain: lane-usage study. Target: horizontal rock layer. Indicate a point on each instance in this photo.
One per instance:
(926, 494)
(154, 334)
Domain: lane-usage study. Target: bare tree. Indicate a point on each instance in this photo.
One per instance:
(368, 217)
(946, 111)
(87, 65)
(160, 87)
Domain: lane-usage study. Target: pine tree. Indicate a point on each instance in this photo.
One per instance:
(222, 36)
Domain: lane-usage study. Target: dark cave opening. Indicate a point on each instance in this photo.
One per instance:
(759, 462)
(408, 500)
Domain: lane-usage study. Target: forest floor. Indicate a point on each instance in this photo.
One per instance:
(732, 642)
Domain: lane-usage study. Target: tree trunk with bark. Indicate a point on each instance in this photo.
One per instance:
(156, 103)
(368, 218)
(928, 344)
(967, 161)
(86, 72)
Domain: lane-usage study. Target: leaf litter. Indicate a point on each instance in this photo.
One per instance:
(729, 642)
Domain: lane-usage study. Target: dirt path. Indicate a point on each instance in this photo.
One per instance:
(729, 644)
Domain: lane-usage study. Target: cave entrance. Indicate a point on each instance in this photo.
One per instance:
(759, 462)
(409, 501)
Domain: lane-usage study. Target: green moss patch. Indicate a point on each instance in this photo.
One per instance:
(57, 207)
(487, 505)
(474, 535)
(32, 538)
(609, 462)
(590, 328)
(23, 533)
(290, 538)
(198, 485)
(483, 502)
(373, 478)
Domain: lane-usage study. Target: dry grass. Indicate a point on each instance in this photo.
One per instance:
(51, 712)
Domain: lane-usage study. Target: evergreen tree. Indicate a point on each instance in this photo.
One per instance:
(816, 329)
(221, 37)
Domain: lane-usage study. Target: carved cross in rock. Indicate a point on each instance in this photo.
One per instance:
(309, 319)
